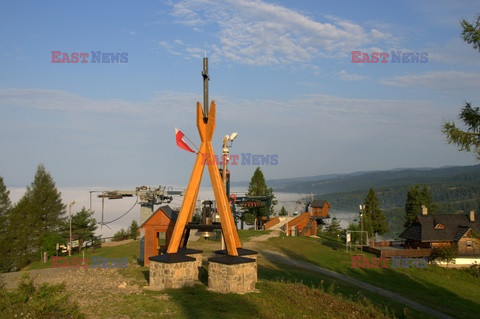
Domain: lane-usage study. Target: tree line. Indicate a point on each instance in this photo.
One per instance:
(37, 222)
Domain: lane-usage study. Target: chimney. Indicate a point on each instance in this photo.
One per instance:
(424, 210)
(472, 216)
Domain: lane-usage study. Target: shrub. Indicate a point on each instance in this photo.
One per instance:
(43, 301)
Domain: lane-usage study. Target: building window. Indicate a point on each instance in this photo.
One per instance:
(469, 243)
(161, 242)
(439, 226)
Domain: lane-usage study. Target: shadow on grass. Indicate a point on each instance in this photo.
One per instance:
(415, 289)
(330, 285)
(197, 302)
(334, 244)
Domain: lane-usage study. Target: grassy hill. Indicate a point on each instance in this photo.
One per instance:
(283, 291)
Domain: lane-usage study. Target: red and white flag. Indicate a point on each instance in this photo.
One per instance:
(180, 142)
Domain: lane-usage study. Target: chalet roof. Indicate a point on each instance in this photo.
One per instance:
(318, 203)
(455, 227)
(170, 213)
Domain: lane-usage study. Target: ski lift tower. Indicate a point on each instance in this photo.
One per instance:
(147, 198)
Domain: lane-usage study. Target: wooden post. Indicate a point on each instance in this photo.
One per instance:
(206, 156)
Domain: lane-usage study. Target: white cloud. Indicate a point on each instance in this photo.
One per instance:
(345, 76)
(258, 33)
(436, 80)
(58, 100)
(124, 133)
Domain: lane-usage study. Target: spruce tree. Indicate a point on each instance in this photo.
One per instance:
(333, 229)
(283, 212)
(5, 209)
(373, 219)
(416, 197)
(35, 219)
(469, 139)
(133, 231)
(84, 225)
(258, 187)
(471, 32)
(22, 249)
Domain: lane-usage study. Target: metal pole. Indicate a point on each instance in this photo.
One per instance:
(224, 173)
(70, 245)
(206, 78)
(103, 206)
(225, 160)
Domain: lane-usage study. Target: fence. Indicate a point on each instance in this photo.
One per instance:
(389, 253)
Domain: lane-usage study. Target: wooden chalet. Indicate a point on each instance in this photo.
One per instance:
(459, 231)
(320, 208)
(302, 225)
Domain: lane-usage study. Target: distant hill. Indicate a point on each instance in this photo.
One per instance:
(281, 183)
(366, 180)
(454, 189)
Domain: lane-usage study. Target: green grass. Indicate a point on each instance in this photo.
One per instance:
(246, 235)
(129, 250)
(452, 291)
(37, 301)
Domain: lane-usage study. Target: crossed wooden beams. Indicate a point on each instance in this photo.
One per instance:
(205, 156)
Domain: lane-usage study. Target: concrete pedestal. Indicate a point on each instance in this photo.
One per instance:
(172, 271)
(228, 274)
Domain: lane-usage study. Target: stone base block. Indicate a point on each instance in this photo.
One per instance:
(172, 271)
(194, 253)
(242, 252)
(228, 274)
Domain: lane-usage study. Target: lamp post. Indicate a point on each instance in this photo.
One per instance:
(70, 213)
(362, 211)
(225, 152)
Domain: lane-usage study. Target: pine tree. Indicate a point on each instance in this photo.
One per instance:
(258, 187)
(84, 225)
(283, 212)
(133, 231)
(333, 229)
(471, 32)
(468, 140)
(46, 201)
(373, 219)
(21, 250)
(416, 197)
(5, 209)
(35, 219)
(120, 235)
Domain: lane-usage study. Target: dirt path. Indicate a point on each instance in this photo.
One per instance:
(274, 256)
(274, 233)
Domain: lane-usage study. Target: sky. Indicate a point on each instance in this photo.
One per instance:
(281, 74)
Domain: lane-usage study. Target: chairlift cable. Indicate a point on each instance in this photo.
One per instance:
(128, 211)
